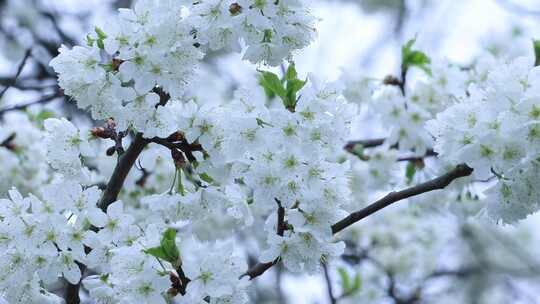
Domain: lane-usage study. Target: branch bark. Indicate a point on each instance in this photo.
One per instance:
(72, 293)
(123, 166)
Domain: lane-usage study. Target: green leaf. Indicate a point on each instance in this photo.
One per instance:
(286, 88)
(158, 252)
(169, 234)
(291, 72)
(410, 171)
(293, 86)
(410, 57)
(167, 251)
(349, 288)
(356, 286)
(41, 116)
(207, 178)
(536, 46)
(345, 280)
(271, 82)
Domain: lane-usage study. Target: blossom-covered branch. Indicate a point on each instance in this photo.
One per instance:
(435, 184)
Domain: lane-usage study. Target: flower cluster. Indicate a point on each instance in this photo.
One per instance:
(149, 54)
(22, 155)
(196, 170)
(496, 131)
(269, 29)
(52, 244)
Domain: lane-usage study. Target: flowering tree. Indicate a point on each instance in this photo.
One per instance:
(164, 189)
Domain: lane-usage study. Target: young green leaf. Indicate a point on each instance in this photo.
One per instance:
(345, 280)
(286, 88)
(207, 178)
(291, 72)
(293, 86)
(411, 57)
(158, 252)
(410, 171)
(271, 82)
(167, 251)
(356, 285)
(536, 46)
(349, 287)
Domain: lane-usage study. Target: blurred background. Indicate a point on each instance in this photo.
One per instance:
(401, 255)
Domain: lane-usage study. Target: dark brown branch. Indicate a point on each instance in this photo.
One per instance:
(110, 194)
(43, 100)
(125, 162)
(329, 288)
(281, 226)
(373, 143)
(429, 153)
(72, 293)
(184, 280)
(437, 183)
(65, 38)
(366, 143)
(258, 269)
(8, 142)
(177, 142)
(27, 55)
(261, 268)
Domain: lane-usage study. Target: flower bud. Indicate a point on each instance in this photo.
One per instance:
(235, 9)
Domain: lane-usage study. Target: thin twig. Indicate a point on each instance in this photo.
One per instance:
(437, 183)
(366, 143)
(13, 81)
(261, 268)
(329, 288)
(43, 100)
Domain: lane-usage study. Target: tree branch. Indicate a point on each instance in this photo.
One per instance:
(72, 293)
(260, 268)
(42, 100)
(125, 162)
(329, 288)
(110, 194)
(366, 143)
(27, 55)
(440, 182)
(437, 183)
